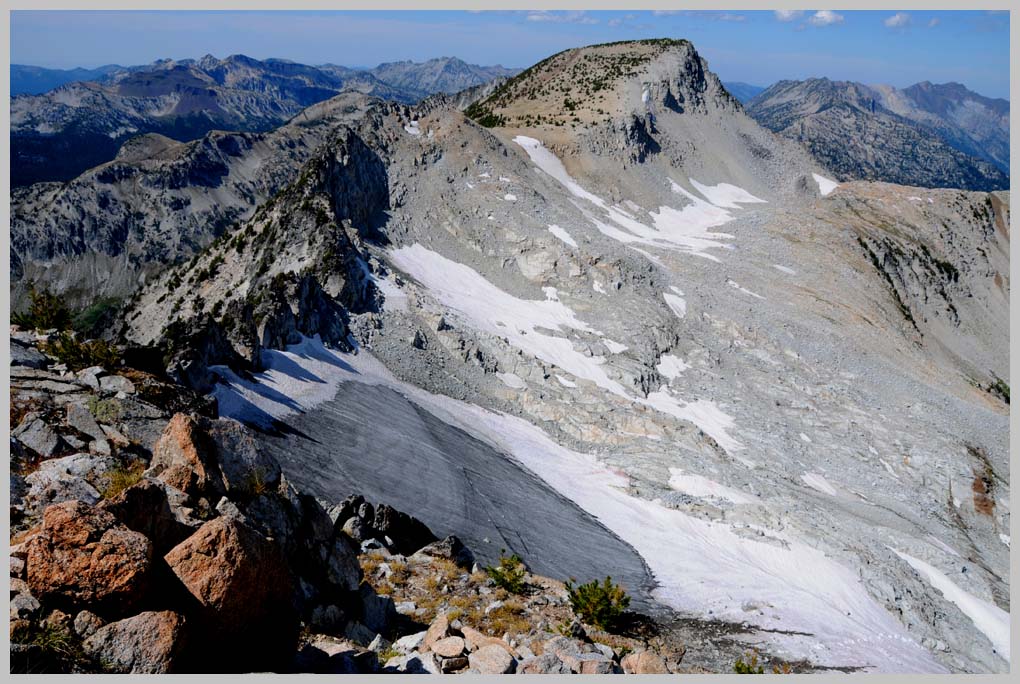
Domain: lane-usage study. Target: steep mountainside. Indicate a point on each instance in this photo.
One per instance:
(789, 396)
(930, 136)
(441, 75)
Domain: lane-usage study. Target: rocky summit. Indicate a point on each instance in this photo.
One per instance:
(393, 388)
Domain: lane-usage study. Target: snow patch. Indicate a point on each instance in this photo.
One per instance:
(676, 303)
(991, 620)
(614, 347)
(726, 195)
(818, 482)
(785, 269)
(413, 129)
(511, 380)
(702, 487)
(700, 566)
(562, 235)
(671, 366)
(682, 229)
(566, 383)
(526, 325)
(510, 198)
(735, 286)
(825, 186)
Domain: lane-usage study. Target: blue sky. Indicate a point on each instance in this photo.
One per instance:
(899, 48)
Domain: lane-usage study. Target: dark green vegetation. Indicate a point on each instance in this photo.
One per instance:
(600, 604)
(509, 574)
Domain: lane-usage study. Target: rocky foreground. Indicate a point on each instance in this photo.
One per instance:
(149, 536)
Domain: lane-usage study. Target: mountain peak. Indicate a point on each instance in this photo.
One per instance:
(588, 85)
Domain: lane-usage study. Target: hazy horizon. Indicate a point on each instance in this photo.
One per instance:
(899, 48)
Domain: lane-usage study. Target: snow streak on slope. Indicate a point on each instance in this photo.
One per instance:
(562, 235)
(700, 566)
(987, 617)
(485, 307)
(684, 229)
(702, 487)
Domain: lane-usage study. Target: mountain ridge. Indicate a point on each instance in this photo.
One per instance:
(932, 136)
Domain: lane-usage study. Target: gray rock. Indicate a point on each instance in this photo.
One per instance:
(46, 487)
(90, 467)
(492, 659)
(100, 447)
(410, 642)
(25, 355)
(378, 610)
(24, 606)
(327, 618)
(116, 383)
(148, 643)
(358, 633)
(17, 567)
(451, 549)
(87, 623)
(406, 608)
(90, 376)
(82, 420)
(38, 436)
(341, 564)
(547, 663)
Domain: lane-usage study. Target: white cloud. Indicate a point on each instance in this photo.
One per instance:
(732, 17)
(933, 22)
(575, 17)
(898, 20)
(665, 13)
(614, 22)
(788, 15)
(825, 18)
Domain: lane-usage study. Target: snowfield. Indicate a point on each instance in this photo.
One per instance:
(685, 229)
(485, 307)
(775, 583)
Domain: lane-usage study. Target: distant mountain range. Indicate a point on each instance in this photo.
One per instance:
(79, 124)
(742, 91)
(926, 135)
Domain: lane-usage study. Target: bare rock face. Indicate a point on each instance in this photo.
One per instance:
(244, 588)
(148, 643)
(83, 556)
(183, 457)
